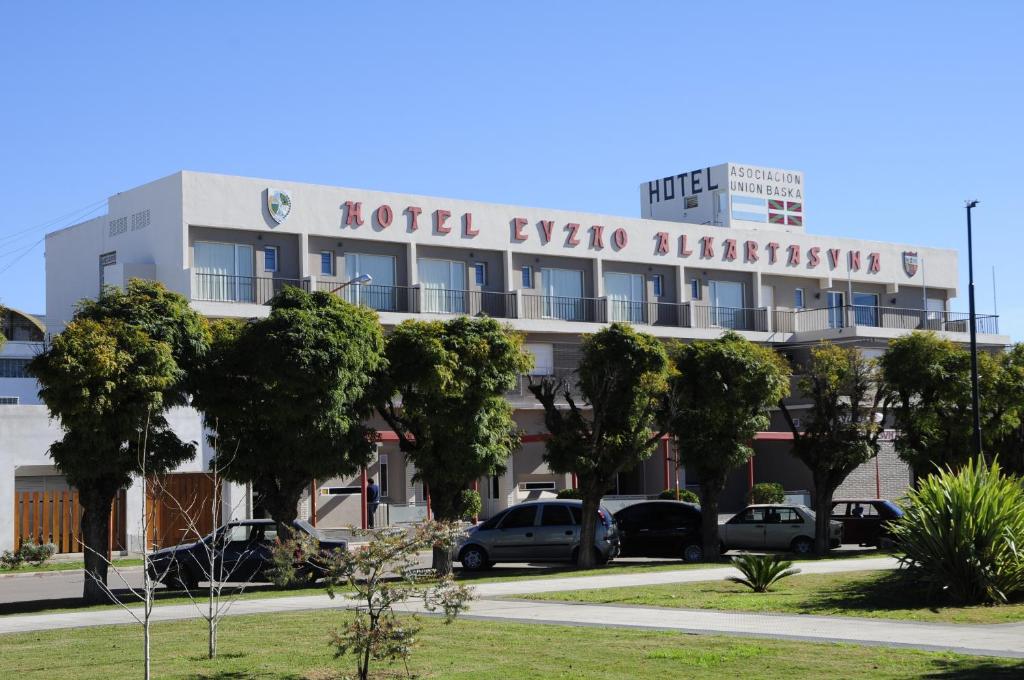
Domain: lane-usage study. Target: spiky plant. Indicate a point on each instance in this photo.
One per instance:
(761, 571)
(963, 532)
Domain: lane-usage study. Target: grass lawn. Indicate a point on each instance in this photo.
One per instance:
(295, 645)
(874, 594)
(497, 574)
(69, 566)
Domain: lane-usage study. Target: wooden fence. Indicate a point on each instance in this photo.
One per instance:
(178, 506)
(56, 517)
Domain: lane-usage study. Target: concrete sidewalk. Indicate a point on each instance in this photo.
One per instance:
(990, 640)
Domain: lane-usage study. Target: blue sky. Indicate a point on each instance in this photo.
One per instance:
(896, 112)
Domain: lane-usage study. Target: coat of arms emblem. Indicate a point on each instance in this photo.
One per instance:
(910, 263)
(279, 203)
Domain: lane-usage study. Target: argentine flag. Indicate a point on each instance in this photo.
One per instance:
(749, 208)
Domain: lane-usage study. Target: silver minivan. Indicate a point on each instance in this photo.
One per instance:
(537, 531)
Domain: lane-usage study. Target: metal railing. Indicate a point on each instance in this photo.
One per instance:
(381, 298)
(899, 318)
(471, 302)
(230, 288)
(734, 318)
(563, 308)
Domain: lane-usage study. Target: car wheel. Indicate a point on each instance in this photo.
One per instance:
(693, 553)
(474, 558)
(183, 580)
(802, 545)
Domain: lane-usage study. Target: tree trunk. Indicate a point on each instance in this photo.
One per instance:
(822, 515)
(146, 646)
(212, 644)
(709, 522)
(283, 507)
(96, 536)
(588, 532)
(442, 561)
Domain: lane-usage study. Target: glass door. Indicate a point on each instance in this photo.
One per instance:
(443, 284)
(625, 293)
(865, 309)
(563, 294)
(726, 304)
(223, 271)
(380, 292)
(835, 310)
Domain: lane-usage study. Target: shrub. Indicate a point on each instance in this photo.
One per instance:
(684, 495)
(761, 571)
(30, 552)
(292, 561)
(767, 492)
(470, 503)
(573, 494)
(964, 533)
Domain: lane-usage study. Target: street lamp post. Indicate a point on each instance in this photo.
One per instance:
(975, 399)
(360, 280)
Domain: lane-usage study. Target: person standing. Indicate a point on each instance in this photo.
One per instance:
(372, 502)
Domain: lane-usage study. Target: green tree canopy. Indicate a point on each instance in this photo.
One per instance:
(928, 381)
(114, 370)
(841, 427)
(718, 399)
(622, 379)
(287, 395)
(442, 392)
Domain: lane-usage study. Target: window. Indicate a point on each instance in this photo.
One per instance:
(865, 309)
(798, 298)
(14, 368)
(327, 262)
(783, 516)
(9, 401)
(563, 294)
(380, 292)
(442, 285)
(543, 357)
(555, 516)
(835, 310)
(223, 271)
(270, 258)
(495, 486)
(721, 207)
(106, 260)
(238, 533)
(750, 516)
(625, 293)
(537, 486)
(382, 463)
(695, 289)
(658, 285)
(577, 513)
(527, 277)
(691, 202)
(520, 517)
(480, 273)
(727, 304)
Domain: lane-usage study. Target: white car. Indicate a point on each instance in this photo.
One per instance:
(779, 527)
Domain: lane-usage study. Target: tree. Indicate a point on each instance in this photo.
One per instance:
(368, 577)
(841, 427)
(288, 396)
(442, 392)
(1006, 427)
(109, 379)
(928, 380)
(718, 400)
(622, 379)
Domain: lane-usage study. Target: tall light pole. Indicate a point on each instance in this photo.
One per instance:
(975, 400)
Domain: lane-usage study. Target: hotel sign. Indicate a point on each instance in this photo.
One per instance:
(602, 237)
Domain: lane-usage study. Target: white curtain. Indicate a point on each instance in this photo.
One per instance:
(379, 293)
(625, 293)
(224, 271)
(563, 290)
(443, 284)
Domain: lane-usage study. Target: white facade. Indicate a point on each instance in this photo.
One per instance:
(737, 257)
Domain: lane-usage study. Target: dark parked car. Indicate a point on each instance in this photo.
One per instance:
(661, 529)
(242, 553)
(866, 522)
(539, 531)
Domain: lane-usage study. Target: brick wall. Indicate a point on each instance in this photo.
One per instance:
(893, 473)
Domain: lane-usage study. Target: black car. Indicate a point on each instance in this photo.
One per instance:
(242, 551)
(866, 521)
(661, 529)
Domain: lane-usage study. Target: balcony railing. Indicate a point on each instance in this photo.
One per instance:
(890, 317)
(230, 288)
(381, 298)
(733, 318)
(420, 300)
(564, 308)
